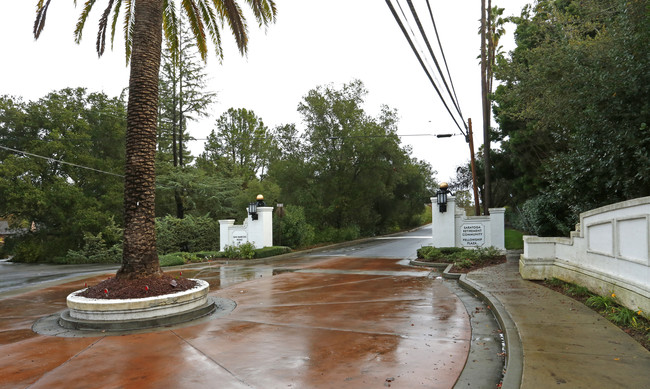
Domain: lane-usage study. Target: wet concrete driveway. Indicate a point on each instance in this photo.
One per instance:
(332, 322)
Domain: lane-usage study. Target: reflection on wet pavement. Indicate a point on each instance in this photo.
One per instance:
(324, 322)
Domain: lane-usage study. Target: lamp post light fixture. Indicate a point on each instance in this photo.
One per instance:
(260, 201)
(252, 210)
(252, 207)
(441, 194)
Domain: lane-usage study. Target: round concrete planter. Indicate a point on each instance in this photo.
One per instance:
(118, 314)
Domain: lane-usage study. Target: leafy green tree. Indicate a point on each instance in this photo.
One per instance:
(350, 169)
(202, 193)
(143, 30)
(242, 146)
(574, 105)
(62, 159)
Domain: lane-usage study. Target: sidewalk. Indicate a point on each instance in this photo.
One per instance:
(553, 340)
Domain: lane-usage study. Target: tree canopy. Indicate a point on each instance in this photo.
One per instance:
(61, 167)
(573, 108)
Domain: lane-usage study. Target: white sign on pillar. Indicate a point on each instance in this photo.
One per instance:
(472, 235)
(239, 237)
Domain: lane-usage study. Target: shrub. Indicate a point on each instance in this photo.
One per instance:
(423, 251)
(547, 216)
(94, 250)
(207, 255)
(231, 252)
(463, 263)
(425, 217)
(246, 250)
(451, 250)
(335, 235)
(484, 253)
(243, 251)
(429, 253)
(192, 233)
(293, 229)
(173, 259)
(265, 252)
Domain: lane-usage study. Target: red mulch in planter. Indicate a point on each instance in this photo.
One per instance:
(113, 288)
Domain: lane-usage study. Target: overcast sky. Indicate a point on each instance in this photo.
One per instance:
(313, 43)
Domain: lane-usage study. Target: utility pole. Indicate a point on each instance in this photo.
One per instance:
(486, 106)
(470, 139)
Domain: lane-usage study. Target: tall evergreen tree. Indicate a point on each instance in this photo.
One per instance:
(183, 96)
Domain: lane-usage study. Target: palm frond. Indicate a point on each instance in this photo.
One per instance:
(128, 28)
(78, 31)
(196, 24)
(212, 23)
(103, 25)
(41, 13)
(116, 15)
(170, 28)
(264, 10)
(230, 11)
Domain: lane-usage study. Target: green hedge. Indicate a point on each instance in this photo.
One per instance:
(181, 258)
(271, 251)
(190, 234)
(459, 256)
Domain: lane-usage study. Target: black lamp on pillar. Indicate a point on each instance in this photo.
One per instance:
(252, 207)
(252, 210)
(442, 197)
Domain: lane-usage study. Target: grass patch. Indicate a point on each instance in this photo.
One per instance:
(514, 240)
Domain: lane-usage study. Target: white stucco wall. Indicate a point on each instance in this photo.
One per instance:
(259, 232)
(609, 253)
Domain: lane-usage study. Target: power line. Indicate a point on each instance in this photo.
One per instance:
(385, 136)
(59, 161)
(435, 29)
(435, 60)
(408, 38)
(406, 20)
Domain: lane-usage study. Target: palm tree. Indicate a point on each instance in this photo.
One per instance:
(145, 21)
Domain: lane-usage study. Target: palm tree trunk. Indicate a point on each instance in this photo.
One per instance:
(140, 258)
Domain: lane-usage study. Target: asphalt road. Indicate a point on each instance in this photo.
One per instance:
(402, 245)
(14, 276)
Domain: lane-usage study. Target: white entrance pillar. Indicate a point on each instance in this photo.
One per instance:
(444, 223)
(260, 231)
(224, 232)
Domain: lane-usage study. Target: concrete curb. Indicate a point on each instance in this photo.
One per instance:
(449, 275)
(437, 265)
(445, 267)
(514, 350)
